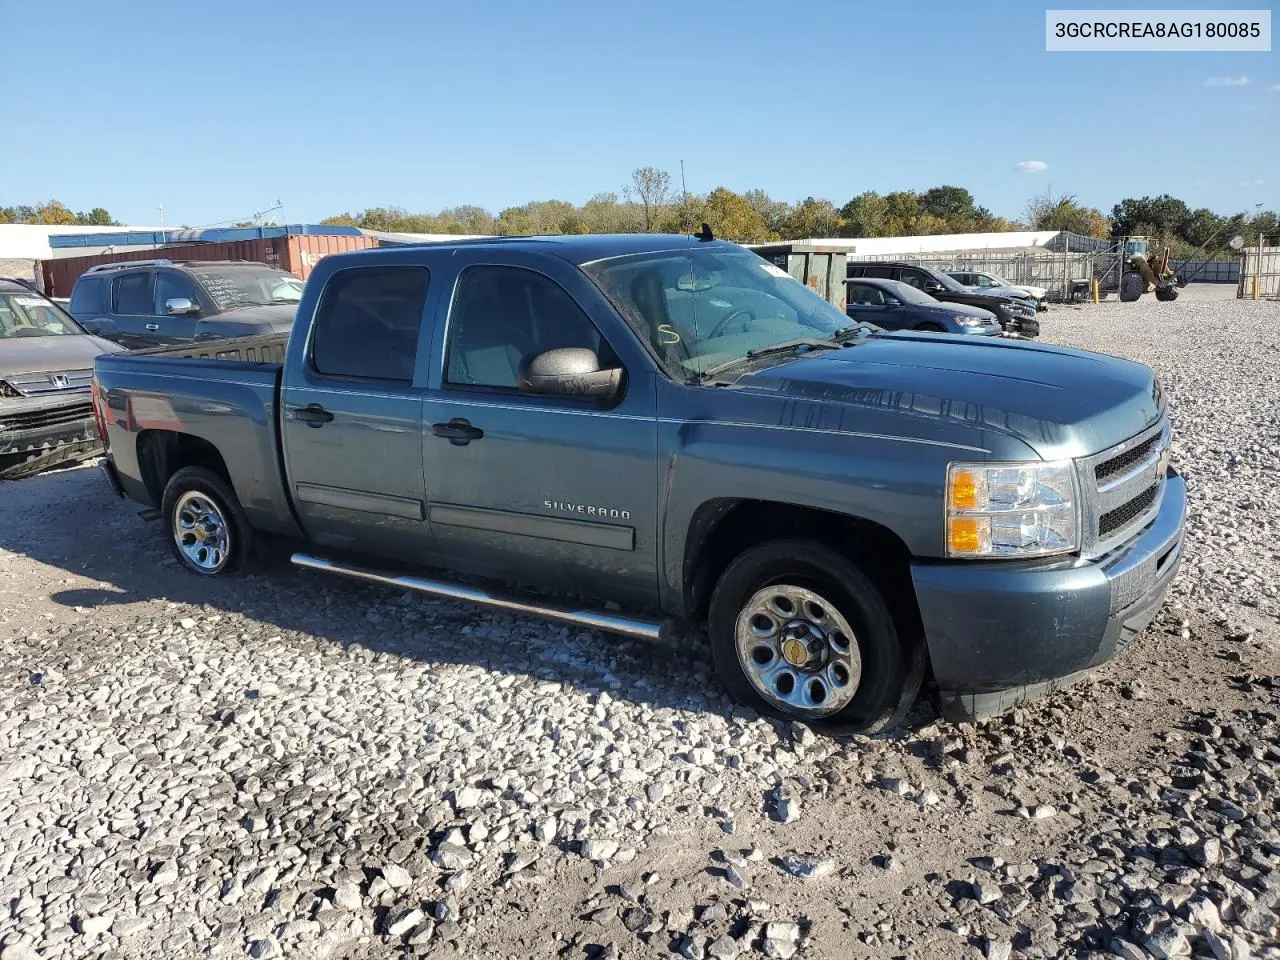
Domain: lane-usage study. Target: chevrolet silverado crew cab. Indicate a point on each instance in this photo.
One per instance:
(679, 431)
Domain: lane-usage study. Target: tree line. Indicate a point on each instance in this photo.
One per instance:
(56, 213)
(649, 203)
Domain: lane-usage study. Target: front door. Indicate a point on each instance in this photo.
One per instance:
(555, 491)
(352, 415)
(172, 285)
(131, 306)
(866, 303)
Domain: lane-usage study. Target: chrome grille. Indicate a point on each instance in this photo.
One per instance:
(1123, 487)
(35, 419)
(54, 381)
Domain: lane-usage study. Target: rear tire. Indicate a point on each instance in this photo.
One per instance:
(204, 523)
(1166, 293)
(798, 631)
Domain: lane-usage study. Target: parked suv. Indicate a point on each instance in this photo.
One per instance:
(1017, 314)
(149, 303)
(892, 305)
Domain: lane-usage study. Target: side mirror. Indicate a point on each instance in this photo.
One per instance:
(91, 327)
(180, 307)
(568, 372)
(892, 302)
(934, 287)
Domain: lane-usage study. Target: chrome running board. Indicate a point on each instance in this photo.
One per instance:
(641, 627)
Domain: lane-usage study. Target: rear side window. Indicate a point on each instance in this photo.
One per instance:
(367, 323)
(89, 295)
(881, 273)
(131, 294)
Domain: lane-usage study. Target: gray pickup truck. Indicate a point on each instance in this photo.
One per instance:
(678, 431)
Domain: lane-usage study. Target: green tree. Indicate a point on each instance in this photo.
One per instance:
(771, 211)
(341, 220)
(865, 215)
(97, 217)
(811, 217)
(732, 216)
(1163, 216)
(953, 205)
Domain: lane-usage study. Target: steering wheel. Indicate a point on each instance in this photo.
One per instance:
(740, 312)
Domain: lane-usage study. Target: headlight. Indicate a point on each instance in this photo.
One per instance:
(967, 321)
(1011, 509)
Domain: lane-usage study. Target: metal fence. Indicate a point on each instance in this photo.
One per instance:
(1058, 273)
(1266, 268)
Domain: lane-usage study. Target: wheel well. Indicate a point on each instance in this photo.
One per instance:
(932, 327)
(724, 529)
(162, 453)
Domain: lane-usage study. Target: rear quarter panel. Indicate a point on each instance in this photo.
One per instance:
(230, 404)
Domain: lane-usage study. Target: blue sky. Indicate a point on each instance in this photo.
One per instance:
(219, 109)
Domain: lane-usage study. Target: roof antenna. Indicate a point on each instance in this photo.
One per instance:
(705, 233)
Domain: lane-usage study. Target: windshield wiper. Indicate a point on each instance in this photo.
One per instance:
(785, 347)
(857, 328)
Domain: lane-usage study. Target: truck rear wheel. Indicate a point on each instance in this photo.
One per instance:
(206, 527)
(798, 630)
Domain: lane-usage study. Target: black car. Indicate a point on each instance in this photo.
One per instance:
(149, 303)
(1016, 314)
(895, 305)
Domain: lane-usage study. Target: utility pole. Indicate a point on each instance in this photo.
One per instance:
(160, 207)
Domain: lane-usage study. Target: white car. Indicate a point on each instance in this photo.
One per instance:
(981, 281)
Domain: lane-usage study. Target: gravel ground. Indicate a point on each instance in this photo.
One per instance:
(287, 765)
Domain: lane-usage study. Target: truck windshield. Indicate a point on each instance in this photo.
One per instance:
(28, 315)
(231, 286)
(700, 309)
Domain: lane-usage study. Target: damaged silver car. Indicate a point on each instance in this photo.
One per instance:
(46, 371)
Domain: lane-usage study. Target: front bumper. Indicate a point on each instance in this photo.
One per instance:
(35, 438)
(1000, 633)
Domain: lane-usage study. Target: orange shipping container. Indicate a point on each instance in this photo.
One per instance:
(296, 253)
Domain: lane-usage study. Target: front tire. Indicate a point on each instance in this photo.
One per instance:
(1132, 286)
(206, 527)
(797, 630)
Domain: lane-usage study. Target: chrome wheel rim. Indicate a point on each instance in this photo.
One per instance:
(798, 651)
(200, 531)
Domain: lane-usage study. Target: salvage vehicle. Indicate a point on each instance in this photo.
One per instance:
(1017, 314)
(46, 366)
(893, 305)
(679, 431)
(145, 303)
(986, 281)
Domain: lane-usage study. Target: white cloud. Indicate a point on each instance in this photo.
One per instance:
(1274, 88)
(1031, 166)
(1226, 81)
(1252, 183)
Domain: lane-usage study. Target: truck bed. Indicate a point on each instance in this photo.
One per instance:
(267, 348)
(222, 393)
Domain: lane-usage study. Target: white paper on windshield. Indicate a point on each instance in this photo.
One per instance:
(28, 301)
(775, 270)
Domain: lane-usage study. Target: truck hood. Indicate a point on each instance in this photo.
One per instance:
(51, 354)
(1061, 402)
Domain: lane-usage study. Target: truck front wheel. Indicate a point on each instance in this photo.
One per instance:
(798, 630)
(207, 528)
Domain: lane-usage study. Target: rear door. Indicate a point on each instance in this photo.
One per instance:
(131, 308)
(558, 491)
(352, 413)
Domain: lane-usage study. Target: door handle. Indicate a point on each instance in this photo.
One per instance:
(313, 415)
(457, 431)
(153, 327)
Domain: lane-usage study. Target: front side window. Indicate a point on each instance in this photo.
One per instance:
(367, 323)
(173, 286)
(131, 294)
(28, 315)
(699, 309)
(880, 273)
(502, 316)
(863, 294)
